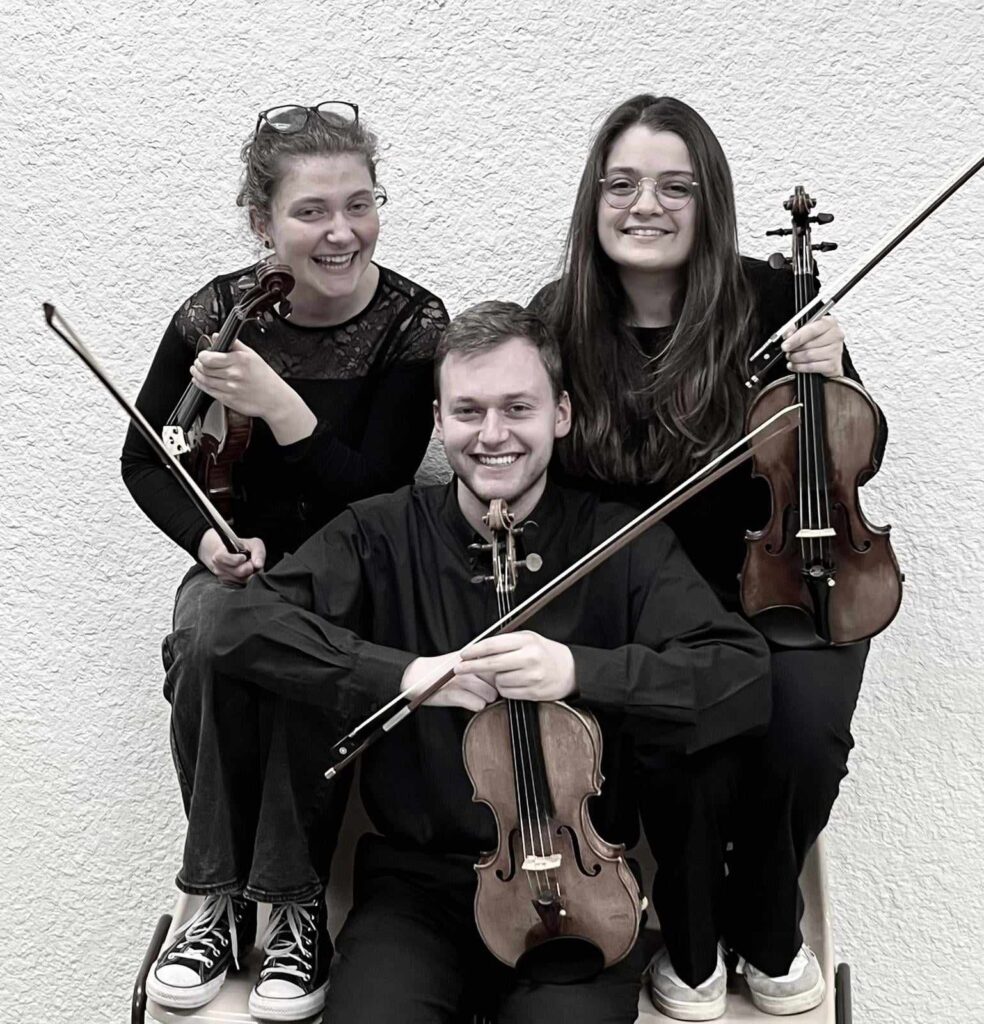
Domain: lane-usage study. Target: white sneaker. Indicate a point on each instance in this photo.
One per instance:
(673, 997)
(190, 972)
(800, 989)
(293, 980)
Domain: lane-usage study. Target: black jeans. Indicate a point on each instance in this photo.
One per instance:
(788, 782)
(262, 819)
(410, 951)
(771, 795)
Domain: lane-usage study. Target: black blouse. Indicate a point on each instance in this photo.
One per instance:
(367, 380)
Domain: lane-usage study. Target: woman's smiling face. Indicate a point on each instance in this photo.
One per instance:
(324, 224)
(645, 236)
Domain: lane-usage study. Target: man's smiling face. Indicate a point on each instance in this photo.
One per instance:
(497, 418)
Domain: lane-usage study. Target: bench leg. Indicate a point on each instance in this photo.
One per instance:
(138, 1004)
(842, 994)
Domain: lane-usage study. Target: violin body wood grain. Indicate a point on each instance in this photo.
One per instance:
(867, 590)
(592, 894)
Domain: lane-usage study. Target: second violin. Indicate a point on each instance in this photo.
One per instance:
(819, 573)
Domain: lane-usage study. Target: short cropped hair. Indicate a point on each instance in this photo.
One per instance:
(487, 324)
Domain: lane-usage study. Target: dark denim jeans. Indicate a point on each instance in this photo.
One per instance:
(262, 819)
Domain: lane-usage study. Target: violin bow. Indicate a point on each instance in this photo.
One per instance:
(829, 295)
(391, 714)
(212, 515)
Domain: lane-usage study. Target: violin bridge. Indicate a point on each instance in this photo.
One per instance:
(547, 862)
(827, 531)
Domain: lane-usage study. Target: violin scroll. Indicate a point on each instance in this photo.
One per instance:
(276, 281)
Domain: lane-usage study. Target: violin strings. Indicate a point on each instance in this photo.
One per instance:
(522, 792)
(529, 713)
(802, 394)
(814, 495)
(539, 825)
(531, 717)
(534, 823)
(817, 430)
(520, 773)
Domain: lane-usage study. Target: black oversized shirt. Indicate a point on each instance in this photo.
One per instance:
(391, 578)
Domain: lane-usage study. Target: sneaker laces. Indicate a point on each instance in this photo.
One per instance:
(200, 940)
(283, 941)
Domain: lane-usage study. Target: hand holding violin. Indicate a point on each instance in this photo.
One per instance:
(523, 666)
(243, 381)
(231, 568)
(817, 347)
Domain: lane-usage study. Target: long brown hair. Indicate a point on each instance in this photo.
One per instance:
(640, 419)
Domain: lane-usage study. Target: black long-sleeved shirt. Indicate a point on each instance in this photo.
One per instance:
(711, 526)
(367, 380)
(337, 623)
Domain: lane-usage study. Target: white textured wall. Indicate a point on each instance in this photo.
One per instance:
(121, 124)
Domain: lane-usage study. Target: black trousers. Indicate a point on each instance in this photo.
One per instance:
(770, 795)
(410, 950)
(262, 819)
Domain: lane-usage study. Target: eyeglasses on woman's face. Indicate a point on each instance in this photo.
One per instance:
(672, 191)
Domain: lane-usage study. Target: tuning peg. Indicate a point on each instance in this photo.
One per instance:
(780, 231)
(824, 246)
(479, 547)
(533, 562)
(822, 218)
(778, 261)
(483, 579)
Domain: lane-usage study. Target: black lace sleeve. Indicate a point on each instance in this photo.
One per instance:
(417, 333)
(152, 485)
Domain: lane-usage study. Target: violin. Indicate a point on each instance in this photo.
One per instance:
(211, 437)
(819, 573)
(554, 900)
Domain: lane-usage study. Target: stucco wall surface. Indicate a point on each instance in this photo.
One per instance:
(121, 125)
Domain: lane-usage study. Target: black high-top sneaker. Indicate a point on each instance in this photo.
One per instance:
(191, 970)
(298, 949)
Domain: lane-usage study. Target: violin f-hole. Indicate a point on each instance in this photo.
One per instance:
(576, 847)
(511, 847)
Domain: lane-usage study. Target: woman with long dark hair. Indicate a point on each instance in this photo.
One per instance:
(337, 379)
(658, 314)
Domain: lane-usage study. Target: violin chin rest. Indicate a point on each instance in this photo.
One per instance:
(562, 960)
(788, 626)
